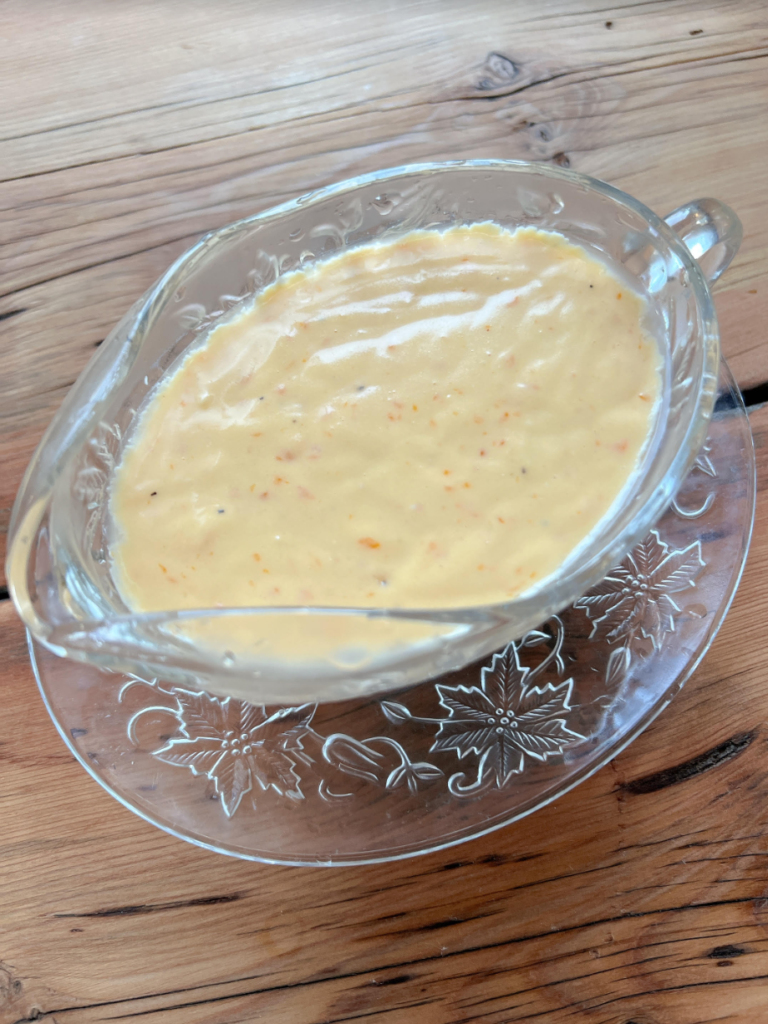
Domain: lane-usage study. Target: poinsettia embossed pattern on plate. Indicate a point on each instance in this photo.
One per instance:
(503, 720)
(637, 597)
(237, 745)
(448, 759)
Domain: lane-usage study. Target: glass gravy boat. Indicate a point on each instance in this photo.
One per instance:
(58, 564)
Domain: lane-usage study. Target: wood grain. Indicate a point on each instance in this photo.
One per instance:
(127, 130)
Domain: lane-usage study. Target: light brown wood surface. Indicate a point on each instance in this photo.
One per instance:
(128, 129)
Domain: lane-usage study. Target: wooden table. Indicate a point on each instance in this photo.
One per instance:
(128, 130)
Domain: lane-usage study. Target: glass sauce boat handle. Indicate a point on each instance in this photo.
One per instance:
(711, 231)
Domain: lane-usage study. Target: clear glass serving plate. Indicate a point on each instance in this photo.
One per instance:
(445, 761)
(59, 568)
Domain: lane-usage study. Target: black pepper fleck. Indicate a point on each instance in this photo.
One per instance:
(153, 494)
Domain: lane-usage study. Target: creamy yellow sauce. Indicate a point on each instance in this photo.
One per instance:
(436, 421)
